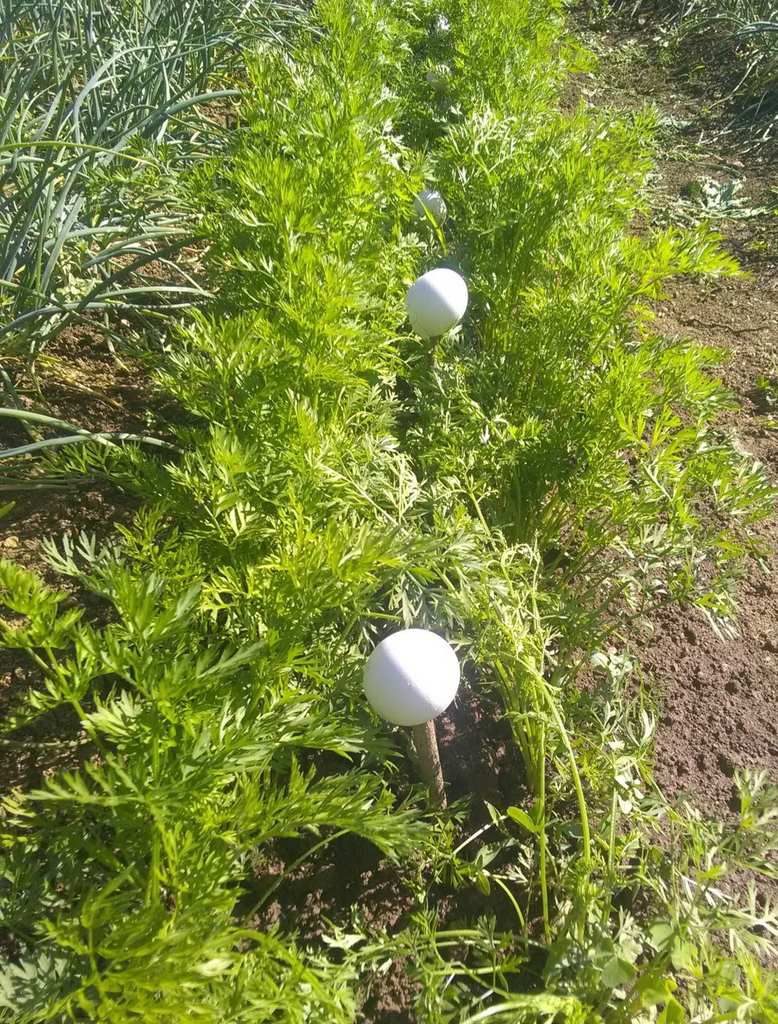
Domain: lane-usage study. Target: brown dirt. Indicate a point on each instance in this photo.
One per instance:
(721, 702)
(719, 695)
(80, 381)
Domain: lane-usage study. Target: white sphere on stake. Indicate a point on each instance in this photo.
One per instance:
(429, 202)
(439, 77)
(410, 677)
(436, 302)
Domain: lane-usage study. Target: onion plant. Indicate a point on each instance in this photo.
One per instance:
(101, 106)
(738, 37)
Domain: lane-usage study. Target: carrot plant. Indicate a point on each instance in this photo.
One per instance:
(522, 485)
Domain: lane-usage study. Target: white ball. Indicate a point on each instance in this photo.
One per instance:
(439, 77)
(436, 302)
(430, 201)
(442, 24)
(411, 677)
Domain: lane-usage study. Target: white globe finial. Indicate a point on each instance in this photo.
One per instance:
(411, 677)
(436, 302)
(439, 77)
(430, 202)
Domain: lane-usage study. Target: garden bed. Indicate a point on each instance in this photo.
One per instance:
(209, 820)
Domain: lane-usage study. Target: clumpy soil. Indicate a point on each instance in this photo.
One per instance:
(720, 711)
(79, 381)
(719, 694)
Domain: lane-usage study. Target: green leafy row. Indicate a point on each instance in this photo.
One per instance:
(524, 485)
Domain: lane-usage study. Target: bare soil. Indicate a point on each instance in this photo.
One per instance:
(719, 695)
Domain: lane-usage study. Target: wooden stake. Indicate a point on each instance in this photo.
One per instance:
(426, 743)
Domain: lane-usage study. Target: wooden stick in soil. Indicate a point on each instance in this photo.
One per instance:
(426, 743)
